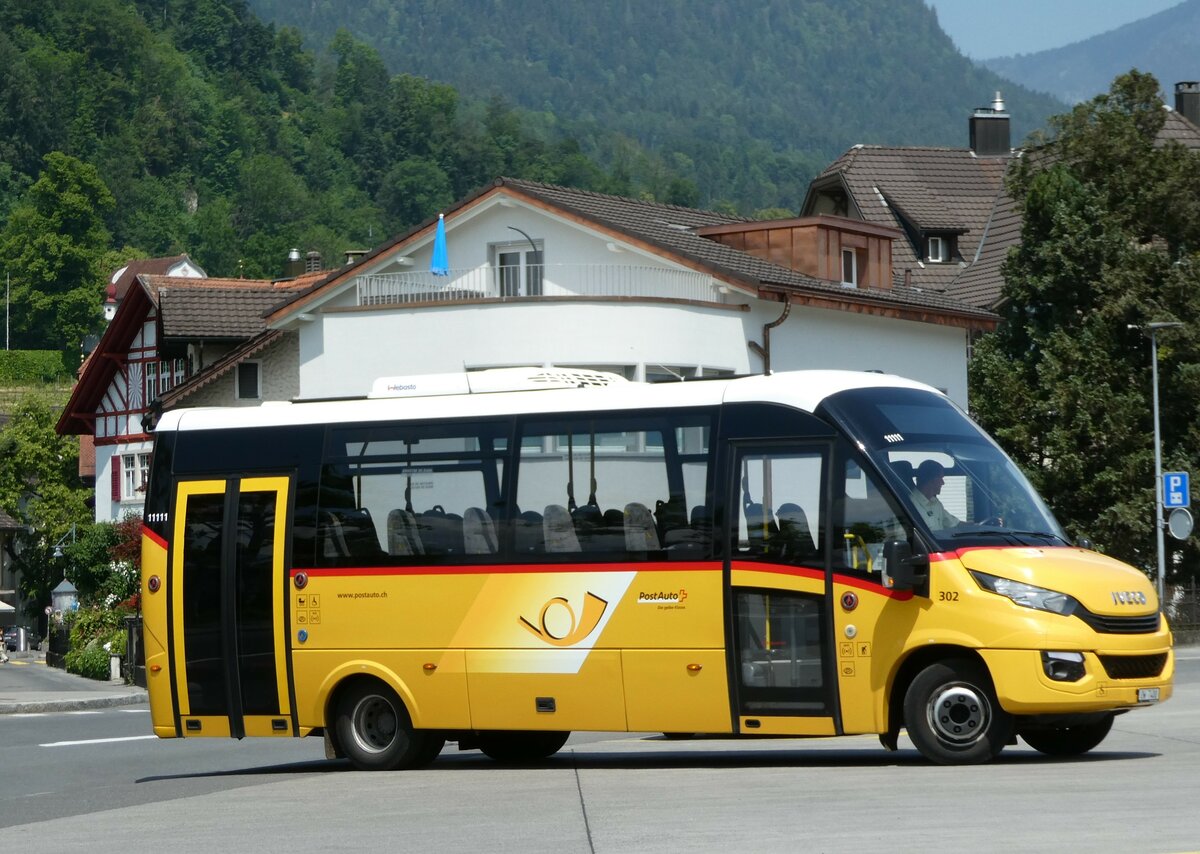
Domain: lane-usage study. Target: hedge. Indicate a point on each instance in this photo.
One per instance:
(19, 367)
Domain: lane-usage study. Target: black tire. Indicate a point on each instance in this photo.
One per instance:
(952, 715)
(1068, 740)
(521, 746)
(375, 733)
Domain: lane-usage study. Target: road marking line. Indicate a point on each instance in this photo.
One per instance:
(84, 712)
(97, 741)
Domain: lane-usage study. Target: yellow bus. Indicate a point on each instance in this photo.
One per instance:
(503, 557)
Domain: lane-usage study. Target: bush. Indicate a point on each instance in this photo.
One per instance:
(96, 633)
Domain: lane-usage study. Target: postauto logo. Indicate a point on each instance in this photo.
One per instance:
(558, 625)
(661, 597)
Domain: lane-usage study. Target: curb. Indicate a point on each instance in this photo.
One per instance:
(73, 705)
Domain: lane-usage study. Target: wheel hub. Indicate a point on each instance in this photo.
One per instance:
(375, 724)
(959, 714)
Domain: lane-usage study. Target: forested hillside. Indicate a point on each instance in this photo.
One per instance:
(1163, 45)
(747, 98)
(157, 127)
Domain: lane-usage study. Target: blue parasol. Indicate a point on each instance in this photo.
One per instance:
(440, 265)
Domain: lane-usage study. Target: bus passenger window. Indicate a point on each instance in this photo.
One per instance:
(780, 515)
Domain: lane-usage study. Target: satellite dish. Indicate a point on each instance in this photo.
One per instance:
(1179, 523)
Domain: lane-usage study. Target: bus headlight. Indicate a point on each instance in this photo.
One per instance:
(1027, 595)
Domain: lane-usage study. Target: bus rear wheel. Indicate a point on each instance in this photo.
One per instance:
(1068, 740)
(952, 714)
(375, 733)
(513, 747)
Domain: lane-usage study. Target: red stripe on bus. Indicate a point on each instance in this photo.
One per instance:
(508, 569)
(153, 537)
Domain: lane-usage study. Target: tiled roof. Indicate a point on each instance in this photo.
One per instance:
(220, 308)
(936, 189)
(144, 266)
(670, 228)
(8, 523)
(1181, 130)
(208, 312)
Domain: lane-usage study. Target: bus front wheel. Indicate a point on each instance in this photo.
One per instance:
(952, 714)
(375, 733)
(529, 746)
(1068, 740)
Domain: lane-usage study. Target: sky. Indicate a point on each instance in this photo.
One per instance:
(983, 29)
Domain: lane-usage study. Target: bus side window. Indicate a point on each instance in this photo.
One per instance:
(780, 516)
(867, 521)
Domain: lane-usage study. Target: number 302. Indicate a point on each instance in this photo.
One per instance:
(947, 595)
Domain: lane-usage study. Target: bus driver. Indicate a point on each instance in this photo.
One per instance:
(931, 475)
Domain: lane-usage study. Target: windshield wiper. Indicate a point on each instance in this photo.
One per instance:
(1007, 533)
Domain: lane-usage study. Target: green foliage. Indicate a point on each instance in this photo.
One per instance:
(223, 138)
(1111, 238)
(39, 487)
(28, 367)
(96, 634)
(693, 100)
(55, 242)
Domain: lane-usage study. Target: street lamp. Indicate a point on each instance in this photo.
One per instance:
(1153, 329)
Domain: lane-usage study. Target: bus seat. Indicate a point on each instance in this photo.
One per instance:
(441, 532)
(641, 534)
(350, 532)
(479, 533)
(701, 519)
(559, 530)
(795, 535)
(528, 536)
(905, 469)
(403, 538)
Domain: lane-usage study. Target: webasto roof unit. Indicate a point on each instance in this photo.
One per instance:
(493, 380)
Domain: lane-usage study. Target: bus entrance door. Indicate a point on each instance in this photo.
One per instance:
(228, 576)
(779, 581)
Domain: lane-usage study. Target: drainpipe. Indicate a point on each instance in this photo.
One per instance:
(764, 351)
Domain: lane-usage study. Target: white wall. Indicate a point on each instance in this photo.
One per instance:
(343, 354)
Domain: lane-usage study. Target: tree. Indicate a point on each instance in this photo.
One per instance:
(55, 244)
(1110, 240)
(39, 487)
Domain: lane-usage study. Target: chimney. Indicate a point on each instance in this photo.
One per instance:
(989, 130)
(312, 261)
(294, 266)
(1187, 100)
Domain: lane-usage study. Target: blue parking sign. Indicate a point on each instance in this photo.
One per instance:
(1175, 489)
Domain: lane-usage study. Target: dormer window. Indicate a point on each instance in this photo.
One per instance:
(849, 268)
(938, 249)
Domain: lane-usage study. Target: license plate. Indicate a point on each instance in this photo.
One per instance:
(1147, 695)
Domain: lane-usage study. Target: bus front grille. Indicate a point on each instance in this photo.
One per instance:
(1144, 625)
(1134, 666)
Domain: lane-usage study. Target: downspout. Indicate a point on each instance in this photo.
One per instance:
(764, 351)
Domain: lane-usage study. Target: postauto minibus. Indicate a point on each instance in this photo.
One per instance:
(503, 557)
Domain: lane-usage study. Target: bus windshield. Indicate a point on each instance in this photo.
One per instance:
(952, 477)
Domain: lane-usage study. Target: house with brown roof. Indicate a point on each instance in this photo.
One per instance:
(951, 205)
(541, 275)
(181, 337)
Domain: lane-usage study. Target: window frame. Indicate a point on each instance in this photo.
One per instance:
(256, 364)
(943, 249)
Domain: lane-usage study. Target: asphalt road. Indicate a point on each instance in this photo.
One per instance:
(94, 779)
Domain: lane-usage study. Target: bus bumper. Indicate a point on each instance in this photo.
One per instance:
(1110, 682)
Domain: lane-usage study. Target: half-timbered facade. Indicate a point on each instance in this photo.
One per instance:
(164, 331)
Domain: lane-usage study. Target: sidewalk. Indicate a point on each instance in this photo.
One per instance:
(27, 685)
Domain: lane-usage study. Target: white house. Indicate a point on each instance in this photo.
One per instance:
(542, 275)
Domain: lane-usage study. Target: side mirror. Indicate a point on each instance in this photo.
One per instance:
(1085, 543)
(903, 570)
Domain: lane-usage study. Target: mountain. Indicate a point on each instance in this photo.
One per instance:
(1163, 45)
(746, 98)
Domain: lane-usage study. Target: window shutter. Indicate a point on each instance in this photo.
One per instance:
(116, 478)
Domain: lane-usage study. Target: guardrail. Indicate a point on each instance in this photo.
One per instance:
(541, 280)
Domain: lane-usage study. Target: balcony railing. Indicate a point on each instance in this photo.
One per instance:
(542, 280)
